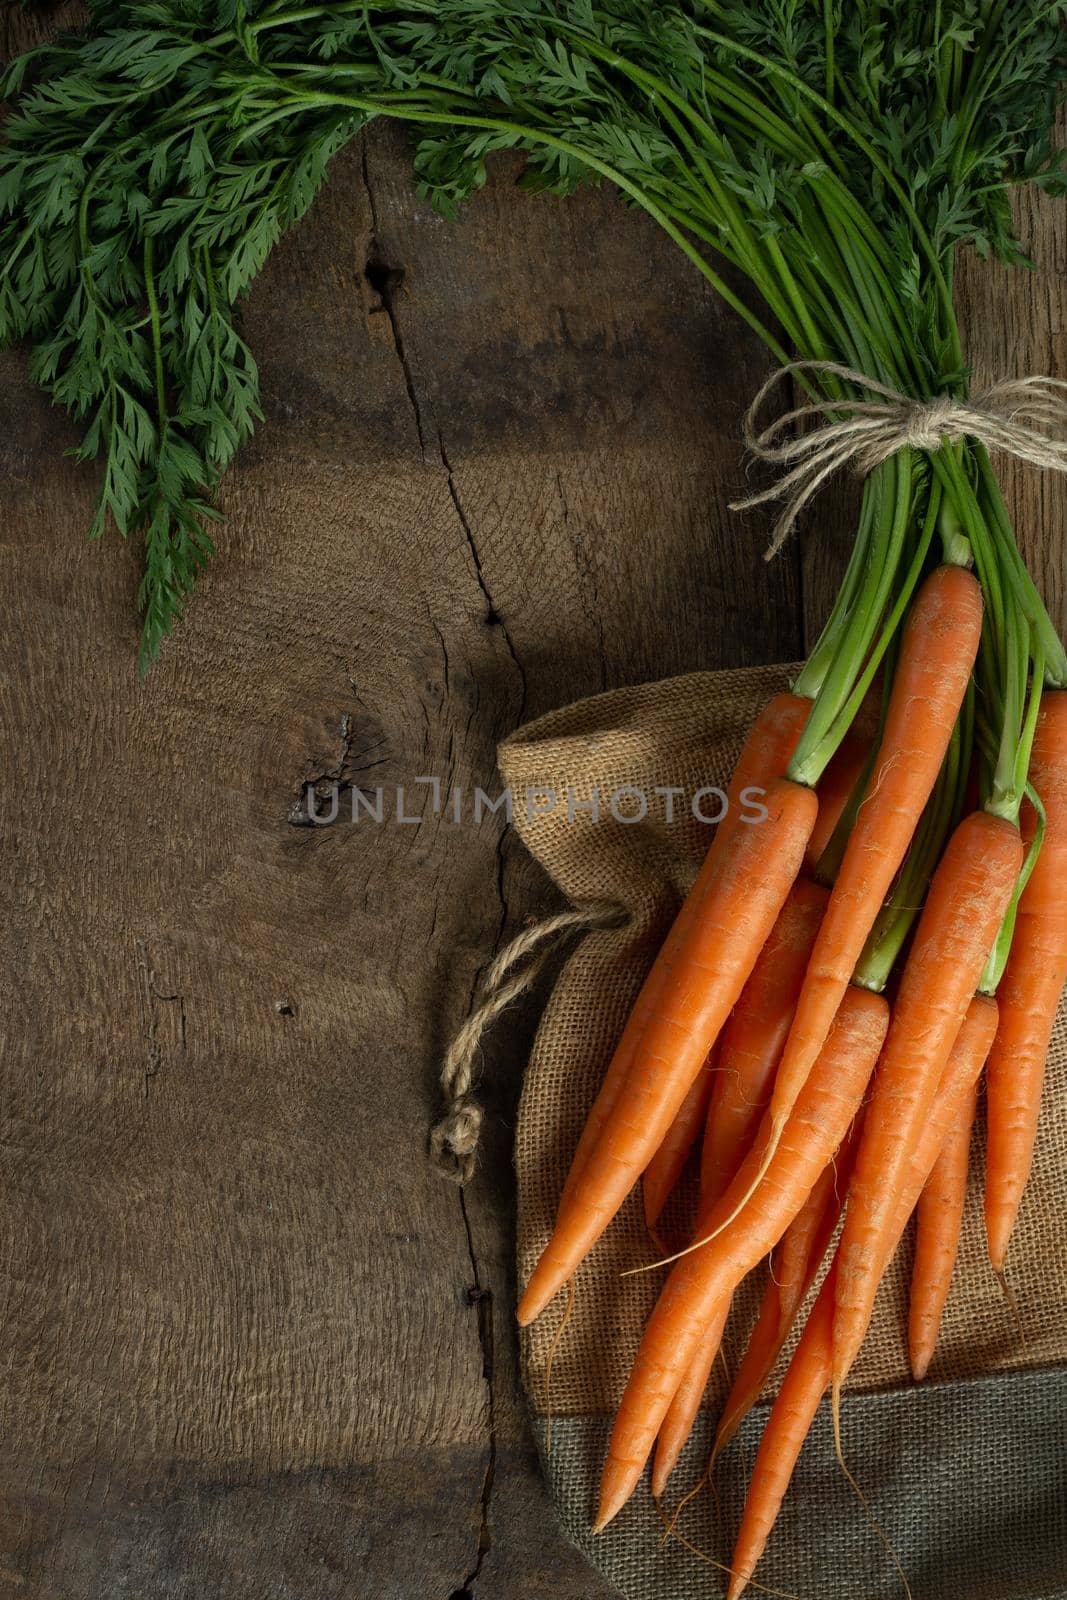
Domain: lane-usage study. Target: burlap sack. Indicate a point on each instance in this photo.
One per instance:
(968, 1472)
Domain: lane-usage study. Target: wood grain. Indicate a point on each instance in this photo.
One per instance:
(252, 1345)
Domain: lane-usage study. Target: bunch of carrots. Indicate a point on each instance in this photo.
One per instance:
(843, 970)
(828, 1086)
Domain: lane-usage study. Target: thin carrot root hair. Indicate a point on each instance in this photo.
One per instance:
(747, 1460)
(557, 1339)
(719, 1448)
(720, 1566)
(713, 1489)
(690, 1494)
(1012, 1302)
(884, 770)
(698, 1244)
(714, 1453)
(887, 1543)
(706, 1479)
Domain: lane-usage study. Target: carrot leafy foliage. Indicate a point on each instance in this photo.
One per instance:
(836, 154)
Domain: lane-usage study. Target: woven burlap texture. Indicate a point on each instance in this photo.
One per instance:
(684, 734)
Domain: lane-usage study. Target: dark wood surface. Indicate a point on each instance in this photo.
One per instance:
(252, 1344)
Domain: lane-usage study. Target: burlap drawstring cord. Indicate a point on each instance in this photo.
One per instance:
(454, 1139)
(1026, 417)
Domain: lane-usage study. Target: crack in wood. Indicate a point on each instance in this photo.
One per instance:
(151, 997)
(493, 619)
(386, 278)
(480, 1297)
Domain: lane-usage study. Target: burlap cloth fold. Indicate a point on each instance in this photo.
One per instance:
(606, 794)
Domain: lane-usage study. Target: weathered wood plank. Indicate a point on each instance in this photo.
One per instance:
(252, 1344)
(239, 1304)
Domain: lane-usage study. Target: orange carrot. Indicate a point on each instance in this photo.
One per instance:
(795, 1266)
(1029, 991)
(787, 1427)
(809, 1372)
(835, 790)
(762, 1351)
(677, 1425)
(968, 896)
(728, 929)
(665, 1168)
(752, 1040)
(764, 756)
(749, 1049)
(937, 1236)
(748, 1053)
(805, 1242)
(704, 1279)
(938, 648)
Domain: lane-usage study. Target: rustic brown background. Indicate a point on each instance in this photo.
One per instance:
(252, 1346)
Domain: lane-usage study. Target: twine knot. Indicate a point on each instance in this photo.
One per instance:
(928, 425)
(1026, 417)
(454, 1138)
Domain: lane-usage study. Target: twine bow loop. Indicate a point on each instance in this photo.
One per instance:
(1026, 417)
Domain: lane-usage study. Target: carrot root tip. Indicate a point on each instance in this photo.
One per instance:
(1013, 1305)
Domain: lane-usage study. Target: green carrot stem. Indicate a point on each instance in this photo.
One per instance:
(824, 728)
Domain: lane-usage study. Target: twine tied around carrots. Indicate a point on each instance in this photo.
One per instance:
(1026, 417)
(454, 1138)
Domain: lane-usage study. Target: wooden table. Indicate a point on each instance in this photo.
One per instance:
(252, 1344)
